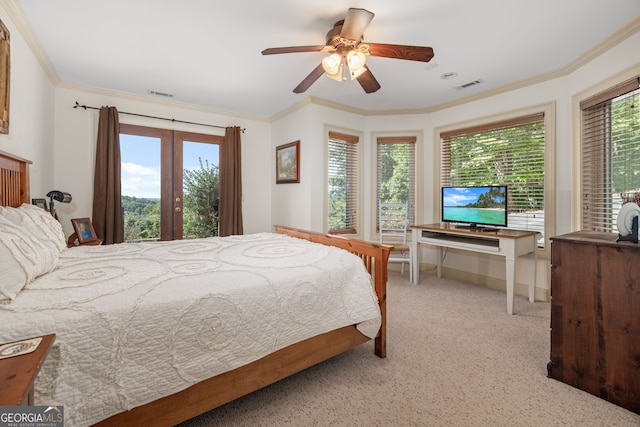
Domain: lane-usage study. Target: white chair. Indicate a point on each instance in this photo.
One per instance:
(393, 219)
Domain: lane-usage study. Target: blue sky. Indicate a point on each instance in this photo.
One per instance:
(140, 156)
(462, 196)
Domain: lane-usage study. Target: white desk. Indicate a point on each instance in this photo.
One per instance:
(504, 242)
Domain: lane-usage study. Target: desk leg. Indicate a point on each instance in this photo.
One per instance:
(415, 263)
(439, 261)
(533, 261)
(511, 281)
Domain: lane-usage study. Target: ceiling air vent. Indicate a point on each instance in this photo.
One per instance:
(164, 94)
(473, 83)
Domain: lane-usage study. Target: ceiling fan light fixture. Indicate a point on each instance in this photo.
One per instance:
(332, 64)
(355, 61)
(337, 76)
(347, 53)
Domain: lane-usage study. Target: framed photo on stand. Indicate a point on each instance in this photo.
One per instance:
(84, 230)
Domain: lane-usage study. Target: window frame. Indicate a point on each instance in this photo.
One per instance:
(615, 87)
(548, 110)
(171, 171)
(417, 139)
(357, 138)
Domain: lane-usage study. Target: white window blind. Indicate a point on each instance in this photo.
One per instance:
(342, 172)
(610, 154)
(396, 173)
(509, 152)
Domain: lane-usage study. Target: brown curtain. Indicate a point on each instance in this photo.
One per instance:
(230, 213)
(107, 204)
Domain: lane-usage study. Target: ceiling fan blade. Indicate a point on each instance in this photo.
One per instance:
(292, 49)
(398, 51)
(368, 82)
(310, 79)
(355, 23)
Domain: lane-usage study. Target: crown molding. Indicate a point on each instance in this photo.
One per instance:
(19, 19)
(632, 27)
(164, 102)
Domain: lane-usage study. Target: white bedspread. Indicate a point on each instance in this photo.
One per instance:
(136, 322)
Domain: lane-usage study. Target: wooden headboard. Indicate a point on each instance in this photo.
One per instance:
(14, 180)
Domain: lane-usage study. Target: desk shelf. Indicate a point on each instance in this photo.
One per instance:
(462, 242)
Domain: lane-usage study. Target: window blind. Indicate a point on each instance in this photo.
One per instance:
(342, 172)
(509, 152)
(396, 173)
(610, 154)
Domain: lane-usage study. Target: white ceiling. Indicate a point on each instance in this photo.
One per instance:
(208, 52)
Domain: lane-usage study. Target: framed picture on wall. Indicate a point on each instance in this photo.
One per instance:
(5, 78)
(288, 163)
(84, 230)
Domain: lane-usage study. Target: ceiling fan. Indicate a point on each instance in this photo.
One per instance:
(348, 53)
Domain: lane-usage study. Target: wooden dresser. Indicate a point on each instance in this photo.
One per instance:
(595, 316)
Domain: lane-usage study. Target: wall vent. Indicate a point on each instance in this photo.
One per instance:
(155, 92)
(473, 83)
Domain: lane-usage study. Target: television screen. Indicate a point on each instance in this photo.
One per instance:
(472, 207)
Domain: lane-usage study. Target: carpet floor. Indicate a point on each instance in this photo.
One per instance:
(454, 358)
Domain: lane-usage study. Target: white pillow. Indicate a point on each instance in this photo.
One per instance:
(23, 259)
(40, 223)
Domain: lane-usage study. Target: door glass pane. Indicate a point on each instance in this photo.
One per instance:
(140, 176)
(200, 186)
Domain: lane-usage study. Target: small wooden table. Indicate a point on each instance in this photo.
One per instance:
(18, 374)
(73, 241)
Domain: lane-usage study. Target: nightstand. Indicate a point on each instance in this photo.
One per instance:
(18, 374)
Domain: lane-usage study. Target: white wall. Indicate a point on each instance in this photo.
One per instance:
(290, 208)
(31, 112)
(60, 141)
(302, 205)
(75, 140)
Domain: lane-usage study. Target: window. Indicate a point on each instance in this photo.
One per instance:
(170, 183)
(396, 173)
(342, 180)
(610, 154)
(509, 152)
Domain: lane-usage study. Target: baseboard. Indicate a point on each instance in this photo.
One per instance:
(494, 283)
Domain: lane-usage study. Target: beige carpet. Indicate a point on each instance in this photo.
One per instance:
(454, 358)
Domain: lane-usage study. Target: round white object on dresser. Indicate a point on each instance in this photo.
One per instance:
(625, 217)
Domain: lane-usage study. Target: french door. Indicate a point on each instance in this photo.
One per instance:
(170, 183)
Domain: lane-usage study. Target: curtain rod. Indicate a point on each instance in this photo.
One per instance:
(155, 117)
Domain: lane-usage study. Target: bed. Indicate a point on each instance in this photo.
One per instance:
(144, 339)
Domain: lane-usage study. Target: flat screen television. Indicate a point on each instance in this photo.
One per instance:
(481, 207)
